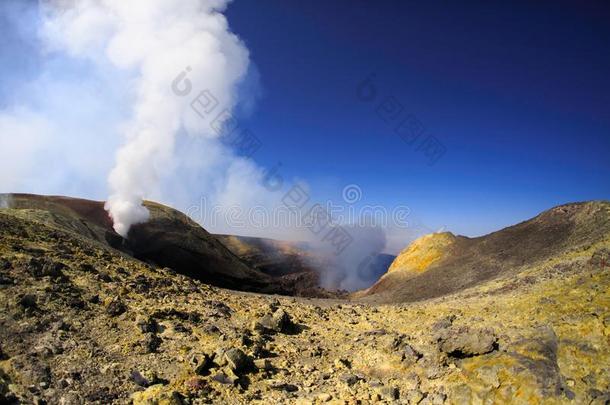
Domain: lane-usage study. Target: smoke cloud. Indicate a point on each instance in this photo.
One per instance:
(5, 200)
(154, 40)
(89, 108)
(358, 265)
(85, 79)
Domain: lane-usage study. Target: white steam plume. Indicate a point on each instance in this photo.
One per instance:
(86, 78)
(153, 41)
(5, 200)
(355, 267)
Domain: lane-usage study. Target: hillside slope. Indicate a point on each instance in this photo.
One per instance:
(168, 239)
(81, 322)
(441, 264)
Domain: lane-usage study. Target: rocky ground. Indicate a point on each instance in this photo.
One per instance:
(83, 323)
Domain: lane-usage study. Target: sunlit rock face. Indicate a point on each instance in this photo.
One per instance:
(442, 263)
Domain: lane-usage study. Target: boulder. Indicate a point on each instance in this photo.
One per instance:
(466, 342)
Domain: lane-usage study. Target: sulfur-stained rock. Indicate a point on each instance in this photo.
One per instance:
(414, 396)
(538, 355)
(436, 398)
(388, 393)
(157, 395)
(466, 342)
(263, 364)
(489, 376)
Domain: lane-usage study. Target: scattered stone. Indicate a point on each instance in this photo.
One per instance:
(409, 355)
(224, 378)
(218, 309)
(115, 307)
(211, 329)
(282, 386)
(87, 268)
(349, 379)
(5, 264)
(263, 364)
(342, 364)
(43, 268)
(319, 365)
(436, 398)
(201, 363)
(6, 280)
(237, 360)
(278, 322)
(27, 301)
(151, 342)
(139, 379)
(146, 324)
(389, 393)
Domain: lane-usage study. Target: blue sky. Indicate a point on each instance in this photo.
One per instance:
(518, 94)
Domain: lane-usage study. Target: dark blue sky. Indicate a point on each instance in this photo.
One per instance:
(517, 92)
